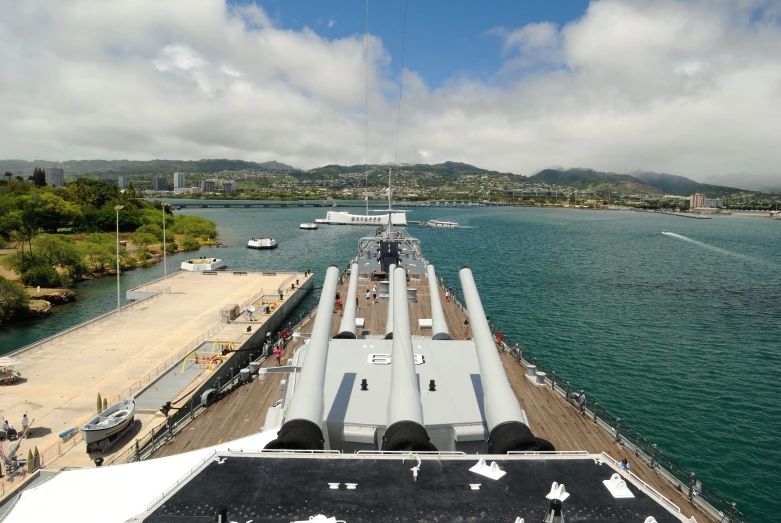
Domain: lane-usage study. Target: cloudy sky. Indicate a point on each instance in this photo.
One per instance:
(691, 88)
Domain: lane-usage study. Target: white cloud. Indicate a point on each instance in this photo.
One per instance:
(689, 88)
(331, 23)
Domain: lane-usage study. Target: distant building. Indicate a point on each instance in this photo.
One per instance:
(55, 176)
(160, 183)
(122, 182)
(713, 202)
(697, 200)
(228, 186)
(178, 181)
(208, 186)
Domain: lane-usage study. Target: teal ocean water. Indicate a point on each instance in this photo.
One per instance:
(678, 334)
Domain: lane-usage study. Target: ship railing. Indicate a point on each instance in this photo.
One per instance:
(681, 479)
(647, 452)
(655, 493)
(84, 325)
(182, 479)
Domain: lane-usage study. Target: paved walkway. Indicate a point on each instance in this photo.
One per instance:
(62, 378)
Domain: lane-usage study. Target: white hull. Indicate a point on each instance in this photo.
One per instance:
(203, 264)
(262, 243)
(109, 422)
(345, 218)
(441, 224)
(308, 226)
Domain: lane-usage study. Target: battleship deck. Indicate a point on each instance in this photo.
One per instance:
(550, 416)
(63, 376)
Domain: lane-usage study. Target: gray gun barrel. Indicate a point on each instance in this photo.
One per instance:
(347, 326)
(389, 323)
(504, 417)
(302, 428)
(405, 412)
(439, 329)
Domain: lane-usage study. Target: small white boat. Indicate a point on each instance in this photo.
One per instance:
(105, 428)
(441, 224)
(308, 226)
(262, 243)
(203, 264)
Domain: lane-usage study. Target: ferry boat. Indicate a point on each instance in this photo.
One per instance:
(399, 219)
(308, 226)
(203, 264)
(441, 224)
(262, 243)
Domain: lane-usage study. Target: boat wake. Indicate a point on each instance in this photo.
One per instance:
(714, 248)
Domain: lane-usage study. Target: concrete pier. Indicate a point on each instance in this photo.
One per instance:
(126, 352)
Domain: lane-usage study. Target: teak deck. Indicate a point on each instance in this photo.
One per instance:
(243, 412)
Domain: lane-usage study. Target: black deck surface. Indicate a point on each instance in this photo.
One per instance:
(279, 489)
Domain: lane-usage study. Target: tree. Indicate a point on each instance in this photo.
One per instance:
(39, 177)
(143, 239)
(9, 175)
(13, 298)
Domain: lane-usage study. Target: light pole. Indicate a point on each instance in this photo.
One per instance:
(117, 208)
(165, 246)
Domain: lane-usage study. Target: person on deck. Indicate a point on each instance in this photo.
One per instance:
(374, 293)
(339, 305)
(582, 402)
(368, 296)
(357, 299)
(10, 432)
(624, 465)
(25, 423)
(447, 295)
(278, 355)
(466, 329)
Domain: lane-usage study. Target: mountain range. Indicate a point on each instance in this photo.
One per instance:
(636, 182)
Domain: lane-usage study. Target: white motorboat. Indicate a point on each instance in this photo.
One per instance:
(262, 243)
(308, 226)
(203, 264)
(441, 224)
(105, 428)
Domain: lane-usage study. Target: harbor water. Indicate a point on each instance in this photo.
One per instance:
(679, 334)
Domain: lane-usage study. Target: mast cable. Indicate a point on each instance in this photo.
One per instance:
(366, 112)
(398, 116)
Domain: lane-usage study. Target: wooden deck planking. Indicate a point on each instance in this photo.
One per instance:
(550, 416)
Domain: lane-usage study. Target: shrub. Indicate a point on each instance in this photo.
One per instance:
(43, 275)
(190, 244)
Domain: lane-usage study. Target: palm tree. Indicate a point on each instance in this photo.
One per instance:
(8, 175)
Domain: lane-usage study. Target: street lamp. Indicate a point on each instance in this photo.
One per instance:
(165, 246)
(117, 208)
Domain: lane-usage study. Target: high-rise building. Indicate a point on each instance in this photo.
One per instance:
(696, 200)
(208, 186)
(122, 182)
(713, 202)
(178, 181)
(160, 183)
(55, 176)
(228, 186)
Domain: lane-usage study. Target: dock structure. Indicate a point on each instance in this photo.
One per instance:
(550, 416)
(134, 352)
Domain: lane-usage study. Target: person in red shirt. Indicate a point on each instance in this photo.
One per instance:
(339, 304)
(278, 355)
